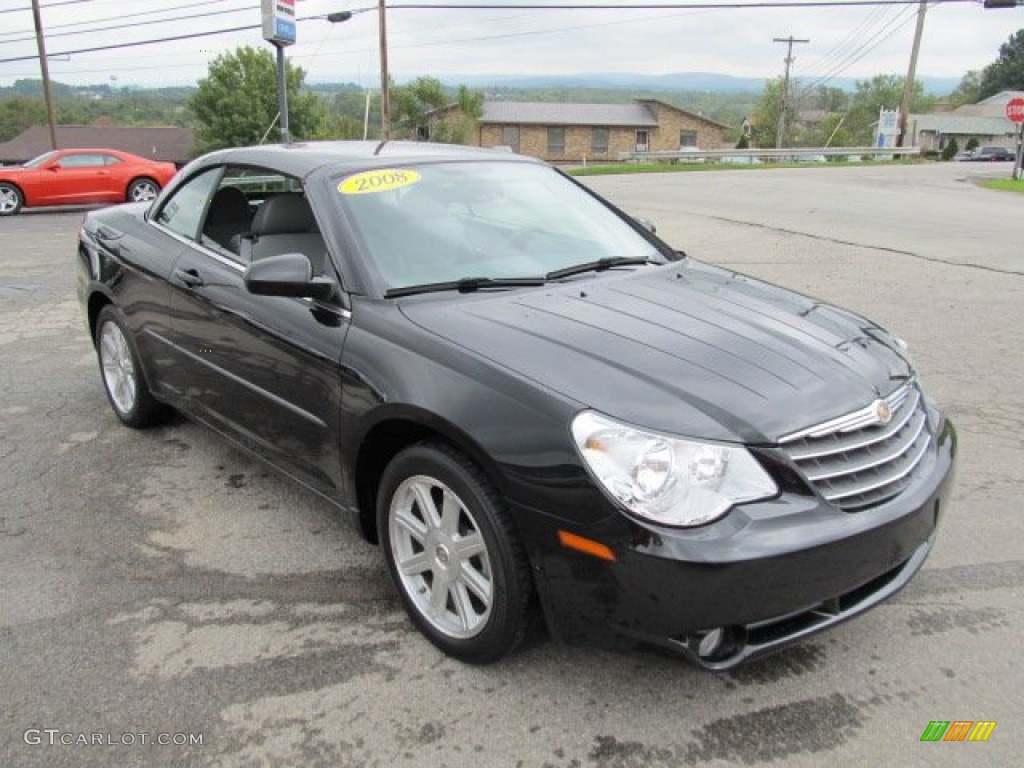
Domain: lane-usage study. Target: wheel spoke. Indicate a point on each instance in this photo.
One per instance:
(410, 524)
(451, 510)
(439, 599)
(415, 564)
(463, 605)
(426, 504)
(476, 581)
(469, 546)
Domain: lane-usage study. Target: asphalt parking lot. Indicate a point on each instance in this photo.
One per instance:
(161, 583)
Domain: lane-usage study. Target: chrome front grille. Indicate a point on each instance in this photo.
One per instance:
(862, 459)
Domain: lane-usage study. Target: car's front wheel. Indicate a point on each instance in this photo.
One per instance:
(460, 569)
(142, 190)
(123, 380)
(11, 199)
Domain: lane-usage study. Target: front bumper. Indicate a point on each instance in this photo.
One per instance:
(763, 577)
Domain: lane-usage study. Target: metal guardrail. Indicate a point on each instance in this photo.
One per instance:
(792, 154)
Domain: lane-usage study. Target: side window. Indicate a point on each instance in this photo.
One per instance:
(81, 161)
(556, 141)
(183, 212)
(111, 160)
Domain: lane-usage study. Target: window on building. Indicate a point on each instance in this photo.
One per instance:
(599, 141)
(687, 139)
(556, 141)
(422, 133)
(510, 137)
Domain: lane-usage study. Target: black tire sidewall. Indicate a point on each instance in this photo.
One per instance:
(505, 625)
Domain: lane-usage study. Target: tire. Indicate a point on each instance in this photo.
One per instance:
(122, 376)
(460, 569)
(11, 199)
(142, 190)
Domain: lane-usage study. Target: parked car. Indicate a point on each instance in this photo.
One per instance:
(987, 155)
(524, 396)
(81, 176)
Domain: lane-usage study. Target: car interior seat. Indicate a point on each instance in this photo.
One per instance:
(228, 217)
(284, 223)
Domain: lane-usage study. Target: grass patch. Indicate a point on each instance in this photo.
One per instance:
(1007, 185)
(626, 168)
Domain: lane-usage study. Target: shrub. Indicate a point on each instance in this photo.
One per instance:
(950, 150)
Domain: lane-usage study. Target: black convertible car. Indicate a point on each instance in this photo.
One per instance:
(526, 397)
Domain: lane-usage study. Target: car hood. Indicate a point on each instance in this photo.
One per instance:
(686, 348)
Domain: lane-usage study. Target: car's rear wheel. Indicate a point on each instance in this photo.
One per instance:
(460, 569)
(123, 380)
(142, 190)
(11, 199)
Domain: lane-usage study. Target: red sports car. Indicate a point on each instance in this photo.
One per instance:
(77, 176)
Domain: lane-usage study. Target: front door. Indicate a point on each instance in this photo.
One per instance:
(261, 369)
(643, 143)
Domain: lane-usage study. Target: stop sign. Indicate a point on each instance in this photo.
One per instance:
(1015, 110)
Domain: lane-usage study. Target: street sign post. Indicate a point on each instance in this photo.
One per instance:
(279, 29)
(1015, 112)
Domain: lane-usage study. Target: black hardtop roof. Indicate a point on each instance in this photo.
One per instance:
(302, 158)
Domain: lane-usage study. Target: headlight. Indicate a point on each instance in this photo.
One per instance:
(665, 479)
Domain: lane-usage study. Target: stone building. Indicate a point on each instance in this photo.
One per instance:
(588, 132)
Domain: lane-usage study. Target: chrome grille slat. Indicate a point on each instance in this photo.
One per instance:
(888, 480)
(849, 441)
(854, 461)
(898, 448)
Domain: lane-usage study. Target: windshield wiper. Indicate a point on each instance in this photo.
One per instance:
(598, 266)
(465, 285)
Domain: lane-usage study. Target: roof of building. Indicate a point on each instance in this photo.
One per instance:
(963, 125)
(169, 144)
(637, 114)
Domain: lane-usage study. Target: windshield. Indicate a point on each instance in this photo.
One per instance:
(435, 223)
(35, 162)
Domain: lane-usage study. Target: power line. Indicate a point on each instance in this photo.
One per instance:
(863, 51)
(123, 16)
(136, 24)
(415, 6)
(48, 5)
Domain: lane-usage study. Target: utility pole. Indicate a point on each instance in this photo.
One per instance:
(785, 85)
(385, 106)
(910, 82)
(47, 96)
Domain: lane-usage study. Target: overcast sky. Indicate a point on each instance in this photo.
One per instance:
(848, 42)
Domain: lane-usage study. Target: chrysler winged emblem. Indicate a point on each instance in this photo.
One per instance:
(883, 412)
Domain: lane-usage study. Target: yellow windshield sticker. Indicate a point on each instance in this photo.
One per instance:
(385, 179)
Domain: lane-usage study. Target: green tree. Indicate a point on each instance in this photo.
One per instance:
(766, 114)
(18, 113)
(950, 150)
(236, 103)
(871, 96)
(460, 126)
(1006, 73)
(832, 132)
(412, 103)
(968, 90)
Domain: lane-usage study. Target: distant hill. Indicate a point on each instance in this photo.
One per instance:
(680, 81)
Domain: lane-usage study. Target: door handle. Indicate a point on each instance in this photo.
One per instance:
(190, 277)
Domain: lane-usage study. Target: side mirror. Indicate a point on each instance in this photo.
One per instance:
(289, 274)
